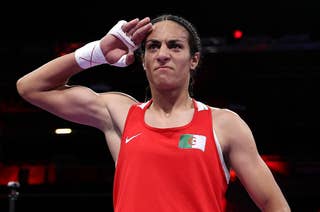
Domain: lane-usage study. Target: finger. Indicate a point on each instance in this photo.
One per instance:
(141, 33)
(143, 22)
(139, 24)
(130, 58)
(130, 25)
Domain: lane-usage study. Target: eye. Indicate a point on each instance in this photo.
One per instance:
(175, 45)
(152, 46)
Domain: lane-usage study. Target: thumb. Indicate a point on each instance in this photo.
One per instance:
(130, 58)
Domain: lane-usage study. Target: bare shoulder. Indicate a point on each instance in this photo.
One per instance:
(228, 120)
(224, 115)
(229, 127)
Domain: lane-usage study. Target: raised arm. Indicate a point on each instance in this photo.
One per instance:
(47, 88)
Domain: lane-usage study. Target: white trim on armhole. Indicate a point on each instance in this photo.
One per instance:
(202, 106)
(142, 105)
(224, 166)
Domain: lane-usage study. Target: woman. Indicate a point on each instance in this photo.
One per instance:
(172, 152)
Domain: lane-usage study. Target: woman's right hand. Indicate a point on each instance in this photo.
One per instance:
(114, 44)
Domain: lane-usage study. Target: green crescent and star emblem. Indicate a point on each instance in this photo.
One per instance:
(192, 141)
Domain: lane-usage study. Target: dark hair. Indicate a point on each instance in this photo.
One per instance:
(194, 38)
(194, 42)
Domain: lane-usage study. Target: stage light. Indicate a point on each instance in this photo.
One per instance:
(237, 34)
(60, 131)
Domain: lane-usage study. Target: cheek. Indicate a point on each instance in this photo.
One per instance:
(147, 61)
(147, 66)
(184, 64)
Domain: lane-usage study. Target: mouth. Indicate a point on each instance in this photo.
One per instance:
(163, 68)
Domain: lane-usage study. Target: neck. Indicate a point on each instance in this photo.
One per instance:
(166, 104)
(168, 112)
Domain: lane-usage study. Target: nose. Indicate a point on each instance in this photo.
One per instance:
(163, 54)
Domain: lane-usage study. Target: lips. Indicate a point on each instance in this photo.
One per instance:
(163, 67)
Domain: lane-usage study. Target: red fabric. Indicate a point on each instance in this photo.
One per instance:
(154, 174)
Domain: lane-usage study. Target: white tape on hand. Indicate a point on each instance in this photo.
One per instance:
(90, 55)
(118, 32)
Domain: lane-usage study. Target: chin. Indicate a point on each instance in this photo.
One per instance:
(166, 86)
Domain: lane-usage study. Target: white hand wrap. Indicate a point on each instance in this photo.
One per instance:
(91, 54)
(118, 32)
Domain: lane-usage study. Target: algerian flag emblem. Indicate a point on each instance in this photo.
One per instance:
(190, 141)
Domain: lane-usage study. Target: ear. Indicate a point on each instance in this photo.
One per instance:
(194, 61)
(144, 68)
(143, 65)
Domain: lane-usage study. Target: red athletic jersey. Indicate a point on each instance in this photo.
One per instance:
(178, 169)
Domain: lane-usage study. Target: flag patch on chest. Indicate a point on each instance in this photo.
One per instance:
(191, 141)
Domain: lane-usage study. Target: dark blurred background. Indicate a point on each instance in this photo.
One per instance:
(270, 75)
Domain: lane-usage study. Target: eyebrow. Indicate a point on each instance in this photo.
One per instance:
(170, 40)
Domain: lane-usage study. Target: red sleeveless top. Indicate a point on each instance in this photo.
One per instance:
(170, 169)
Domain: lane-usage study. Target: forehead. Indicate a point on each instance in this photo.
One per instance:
(168, 30)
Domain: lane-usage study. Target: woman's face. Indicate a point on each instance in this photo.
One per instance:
(167, 60)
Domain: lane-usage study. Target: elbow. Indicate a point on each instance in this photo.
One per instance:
(23, 88)
(20, 87)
